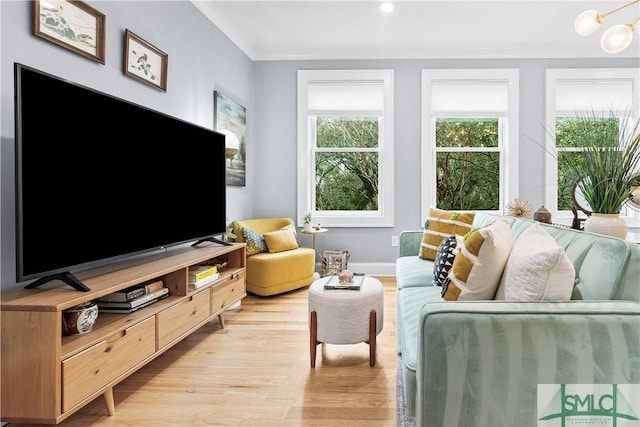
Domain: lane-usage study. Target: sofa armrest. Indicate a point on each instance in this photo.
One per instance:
(480, 363)
(409, 242)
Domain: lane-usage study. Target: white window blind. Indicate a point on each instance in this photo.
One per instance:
(346, 96)
(594, 95)
(468, 96)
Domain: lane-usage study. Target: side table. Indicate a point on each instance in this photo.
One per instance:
(313, 232)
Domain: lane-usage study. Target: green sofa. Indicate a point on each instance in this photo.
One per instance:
(479, 363)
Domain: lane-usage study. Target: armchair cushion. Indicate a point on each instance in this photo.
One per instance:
(255, 241)
(280, 241)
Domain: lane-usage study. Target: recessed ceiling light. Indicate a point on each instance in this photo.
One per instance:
(386, 6)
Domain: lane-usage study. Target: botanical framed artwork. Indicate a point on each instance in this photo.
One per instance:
(230, 118)
(71, 24)
(145, 62)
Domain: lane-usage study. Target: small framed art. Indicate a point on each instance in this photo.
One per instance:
(145, 62)
(73, 25)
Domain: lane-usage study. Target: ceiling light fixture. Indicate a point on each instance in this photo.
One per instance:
(388, 6)
(615, 39)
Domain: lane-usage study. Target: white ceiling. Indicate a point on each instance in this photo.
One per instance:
(330, 29)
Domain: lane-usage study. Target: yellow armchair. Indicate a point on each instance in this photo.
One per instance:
(285, 268)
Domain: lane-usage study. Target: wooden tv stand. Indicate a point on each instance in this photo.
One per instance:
(48, 376)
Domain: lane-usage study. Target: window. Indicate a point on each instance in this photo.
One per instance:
(469, 139)
(605, 94)
(345, 147)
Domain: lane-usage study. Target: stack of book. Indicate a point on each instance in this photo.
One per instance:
(134, 298)
(200, 275)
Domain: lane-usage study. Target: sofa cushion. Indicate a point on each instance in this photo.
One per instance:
(445, 255)
(280, 241)
(537, 269)
(478, 266)
(413, 271)
(255, 241)
(441, 224)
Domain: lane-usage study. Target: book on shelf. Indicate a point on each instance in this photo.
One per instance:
(334, 282)
(134, 302)
(132, 292)
(131, 310)
(200, 272)
(200, 283)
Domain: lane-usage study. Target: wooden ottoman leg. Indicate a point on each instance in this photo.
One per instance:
(372, 337)
(109, 402)
(313, 337)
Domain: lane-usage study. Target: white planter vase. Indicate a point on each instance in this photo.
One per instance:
(609, 224)
(306, 226)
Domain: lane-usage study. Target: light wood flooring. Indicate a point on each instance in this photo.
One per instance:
(256, 372)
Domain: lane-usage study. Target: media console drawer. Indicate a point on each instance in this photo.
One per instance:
(178, 319)
(225, 293)
(88, 371)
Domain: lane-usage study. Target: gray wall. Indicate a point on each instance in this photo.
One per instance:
(275, 140)
(201, 60)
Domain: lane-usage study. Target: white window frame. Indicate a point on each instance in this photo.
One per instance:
(384, 216)
(508, 144)
(596, 75)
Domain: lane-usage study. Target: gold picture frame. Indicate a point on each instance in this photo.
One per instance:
(73, 25)
(145, 62)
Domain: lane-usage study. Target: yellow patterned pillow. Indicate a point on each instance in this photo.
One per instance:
(280, 240)
(441, 224)
(478, 266)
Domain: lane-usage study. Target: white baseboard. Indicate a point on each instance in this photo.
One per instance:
(370, 268)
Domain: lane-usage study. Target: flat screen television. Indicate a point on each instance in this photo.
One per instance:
(99, 179)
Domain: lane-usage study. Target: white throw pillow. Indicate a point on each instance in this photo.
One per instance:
(537, 269)
(478, 266)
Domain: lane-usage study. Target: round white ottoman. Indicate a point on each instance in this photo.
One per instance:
(345, 316)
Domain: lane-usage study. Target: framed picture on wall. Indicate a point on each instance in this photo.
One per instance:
(145, 62)
(230, 118)
(73, 25)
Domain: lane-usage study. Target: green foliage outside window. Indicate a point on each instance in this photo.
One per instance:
(573, 135)
(346, 163)
(467, 169)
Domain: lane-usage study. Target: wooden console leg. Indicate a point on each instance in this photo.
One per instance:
(109, 402)
(221, 319)
(372, 337)
(313, 337)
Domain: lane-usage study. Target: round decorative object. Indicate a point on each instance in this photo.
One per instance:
(608, 224)
(542, 215)
(634, 198)
(578, 198)
(80, 318)
(345, 276)
(520, 208)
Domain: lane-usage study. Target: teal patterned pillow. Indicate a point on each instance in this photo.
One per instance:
(255, 242)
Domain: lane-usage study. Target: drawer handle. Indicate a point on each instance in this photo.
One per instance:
(107, 350)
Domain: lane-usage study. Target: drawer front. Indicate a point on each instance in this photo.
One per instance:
(88, 371)
(225, 293)
(180, 318)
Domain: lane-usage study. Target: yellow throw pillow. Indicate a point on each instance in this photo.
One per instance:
(280, 240)
(478, 266)
(441, 224)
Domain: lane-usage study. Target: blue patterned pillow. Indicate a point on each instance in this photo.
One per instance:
(255, 241)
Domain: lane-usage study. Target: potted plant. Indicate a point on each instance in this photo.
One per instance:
(308, 217)
(606, 171)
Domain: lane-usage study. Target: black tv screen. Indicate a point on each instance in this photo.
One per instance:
(99, 178)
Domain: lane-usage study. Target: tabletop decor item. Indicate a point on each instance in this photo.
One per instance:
(80, 319)
(308, 217)
(520, 208)
(542, 215)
